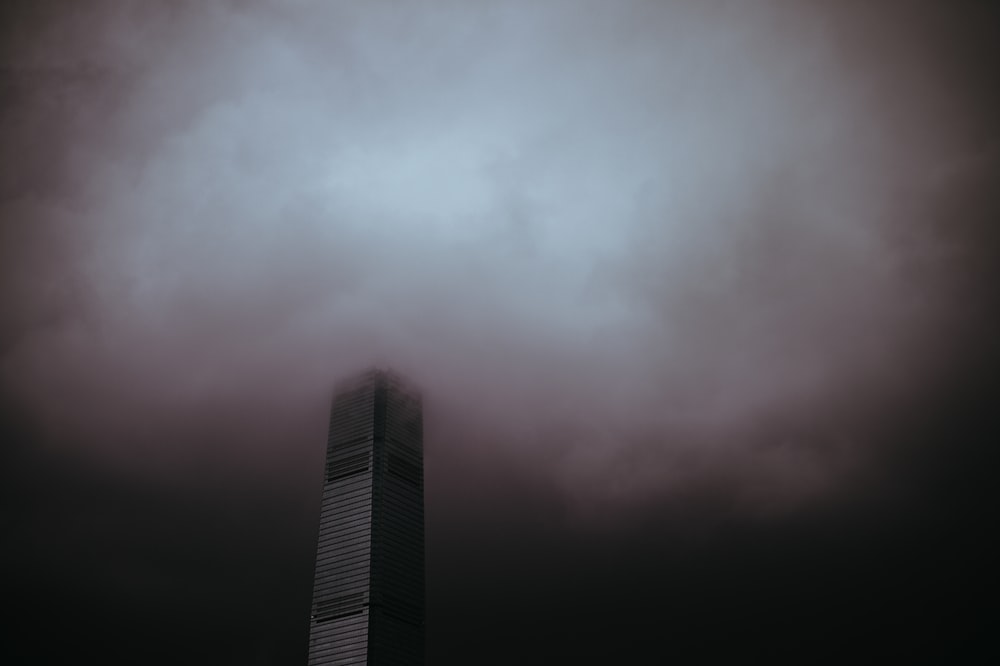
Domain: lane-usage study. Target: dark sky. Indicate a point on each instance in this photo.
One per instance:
(698, 294)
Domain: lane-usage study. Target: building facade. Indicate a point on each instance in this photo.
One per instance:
(368, 590)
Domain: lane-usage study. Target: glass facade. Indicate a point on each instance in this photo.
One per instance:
(368, 590)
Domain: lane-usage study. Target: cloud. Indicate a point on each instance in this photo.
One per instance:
(636, 248)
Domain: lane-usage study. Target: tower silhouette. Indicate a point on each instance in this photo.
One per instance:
(368, 589)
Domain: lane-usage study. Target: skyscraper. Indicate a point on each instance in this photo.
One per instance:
(368, 590)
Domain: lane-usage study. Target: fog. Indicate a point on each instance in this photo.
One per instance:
(631, 246)
(661, 270)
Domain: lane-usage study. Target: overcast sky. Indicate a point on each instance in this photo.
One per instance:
(667, 272)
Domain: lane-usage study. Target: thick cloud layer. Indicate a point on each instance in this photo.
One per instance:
(635, 253)
(644, 227)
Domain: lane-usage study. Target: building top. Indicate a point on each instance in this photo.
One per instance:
(378, 374)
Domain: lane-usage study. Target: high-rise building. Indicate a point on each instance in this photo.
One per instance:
(368, 591)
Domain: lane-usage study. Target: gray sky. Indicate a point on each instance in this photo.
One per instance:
(646, 259)
(612, 235)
